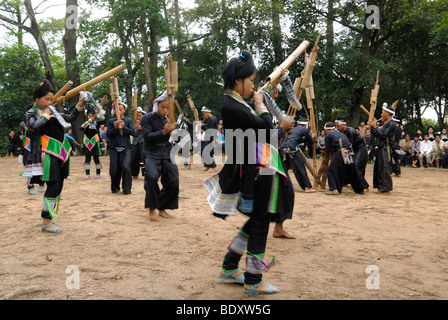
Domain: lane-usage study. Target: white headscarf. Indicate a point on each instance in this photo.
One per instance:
(162, 97)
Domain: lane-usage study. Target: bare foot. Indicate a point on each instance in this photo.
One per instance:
(164, 214)
(309, 190)
(153, 215)
(279, 232)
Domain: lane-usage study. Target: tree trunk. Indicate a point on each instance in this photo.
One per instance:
(35, 32)
(71, 69)
(153, 60)
(146, 64)
(327, 101)
(276, 32)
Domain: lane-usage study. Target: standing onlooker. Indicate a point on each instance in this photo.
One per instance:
(320, 143)
(73, 142)
(370, 144)
(212, 123)
(104, 140)
(362, 128)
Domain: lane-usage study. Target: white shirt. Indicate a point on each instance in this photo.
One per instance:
(426, 147)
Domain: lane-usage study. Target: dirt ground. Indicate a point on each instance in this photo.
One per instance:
(109, 242)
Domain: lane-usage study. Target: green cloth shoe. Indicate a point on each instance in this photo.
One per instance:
(271, 289)
(51, 230)
(239, 279)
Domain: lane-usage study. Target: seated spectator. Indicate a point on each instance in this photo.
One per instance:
(426, 149)
(445, 156)
(370, 144)
(415, 150)
(405, 145)
(438, 151)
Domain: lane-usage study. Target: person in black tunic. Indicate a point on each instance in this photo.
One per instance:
(382, 179)
(279, 231)
(241, 184)
(91, 143)
(338, 172)
(299, 137)
(157, 153)
(120, 150)
(395, 148)
(49, 143)
(210, 133)
(137, 159)
(359, 148)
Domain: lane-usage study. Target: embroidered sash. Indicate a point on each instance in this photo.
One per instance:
(55, 148)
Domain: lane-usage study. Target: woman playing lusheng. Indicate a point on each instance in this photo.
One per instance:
(241, 183)
(50, 143)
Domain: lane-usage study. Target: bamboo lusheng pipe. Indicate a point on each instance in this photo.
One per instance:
(134, 107)
(91, 83)
(171, 79)
(193, 108)
(301, 83)
(366, 111)
(309, 102)
(277, 73)
(394, 105)
(115, 95)
(104, 100)
(374, 97)
(178, 107)
(296, 87)
(63, 90)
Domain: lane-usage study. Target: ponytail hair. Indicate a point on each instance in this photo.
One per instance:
(240, 67)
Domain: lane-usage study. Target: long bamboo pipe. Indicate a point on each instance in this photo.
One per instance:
(61, 92)
(91, 83)
(285, 65)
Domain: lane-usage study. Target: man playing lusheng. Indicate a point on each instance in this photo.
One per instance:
(158, 164)
(382, 179)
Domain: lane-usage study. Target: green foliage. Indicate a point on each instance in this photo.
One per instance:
(20, 72)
